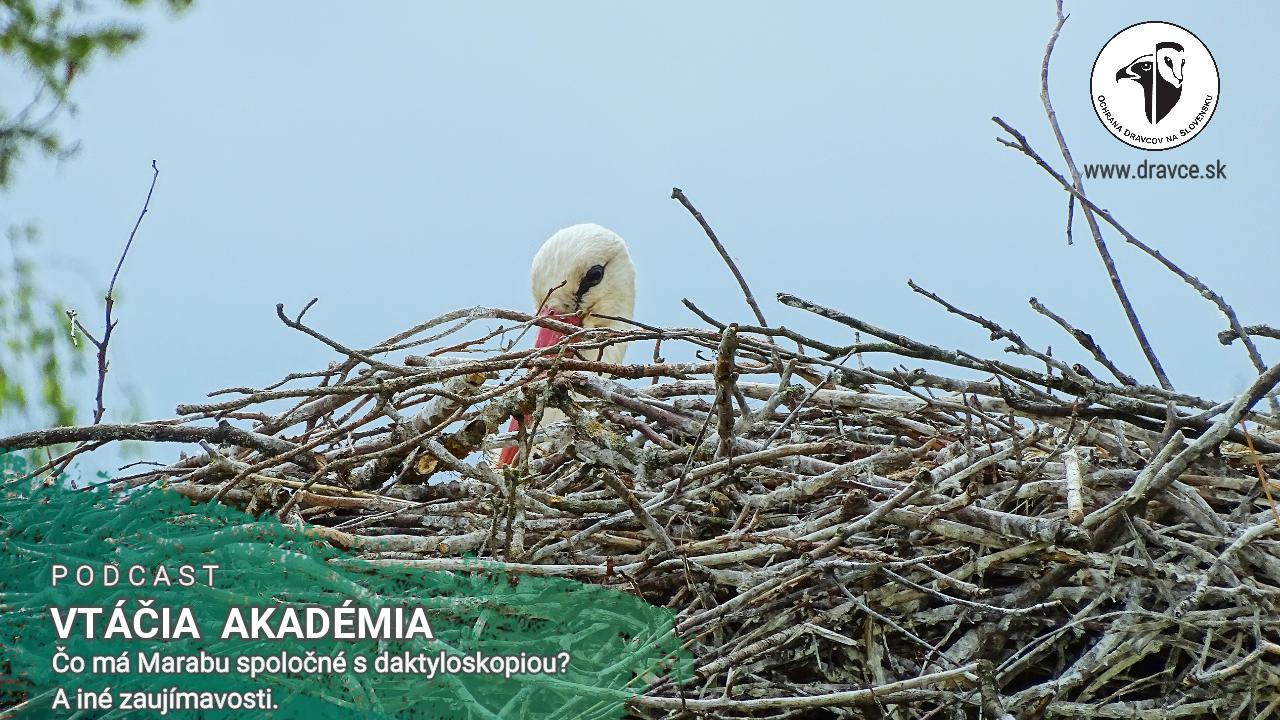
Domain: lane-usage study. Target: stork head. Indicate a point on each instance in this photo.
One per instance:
(581, 273)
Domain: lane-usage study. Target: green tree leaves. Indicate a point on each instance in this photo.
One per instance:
(38, 349)
(54, 42)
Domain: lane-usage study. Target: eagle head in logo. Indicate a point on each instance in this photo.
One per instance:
(1160, 75)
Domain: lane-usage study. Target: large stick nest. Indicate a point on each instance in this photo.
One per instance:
(823, 518)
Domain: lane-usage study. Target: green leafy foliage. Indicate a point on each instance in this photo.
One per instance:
(54, 41)
(38, 349)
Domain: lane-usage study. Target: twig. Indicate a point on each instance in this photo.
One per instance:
(1078, 185)
(1086, 341)
(881, 693)
(726, 381)
(678, 194)
(1262, 475)
(109, 323)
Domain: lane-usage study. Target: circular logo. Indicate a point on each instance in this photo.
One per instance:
(1154, 85)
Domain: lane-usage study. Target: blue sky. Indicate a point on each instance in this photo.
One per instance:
(401, 159)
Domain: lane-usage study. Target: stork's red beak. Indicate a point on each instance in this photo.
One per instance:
(546, 338)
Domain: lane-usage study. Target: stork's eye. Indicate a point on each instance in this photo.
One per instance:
(591, 279)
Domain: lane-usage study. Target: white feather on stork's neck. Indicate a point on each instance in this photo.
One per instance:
(580, 275)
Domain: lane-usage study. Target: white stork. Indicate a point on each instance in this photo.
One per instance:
(581, 274)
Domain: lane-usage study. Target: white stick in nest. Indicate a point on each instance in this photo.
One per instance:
(1075, 485)
(441, 406)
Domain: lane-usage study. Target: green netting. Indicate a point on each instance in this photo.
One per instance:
(618, 644)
